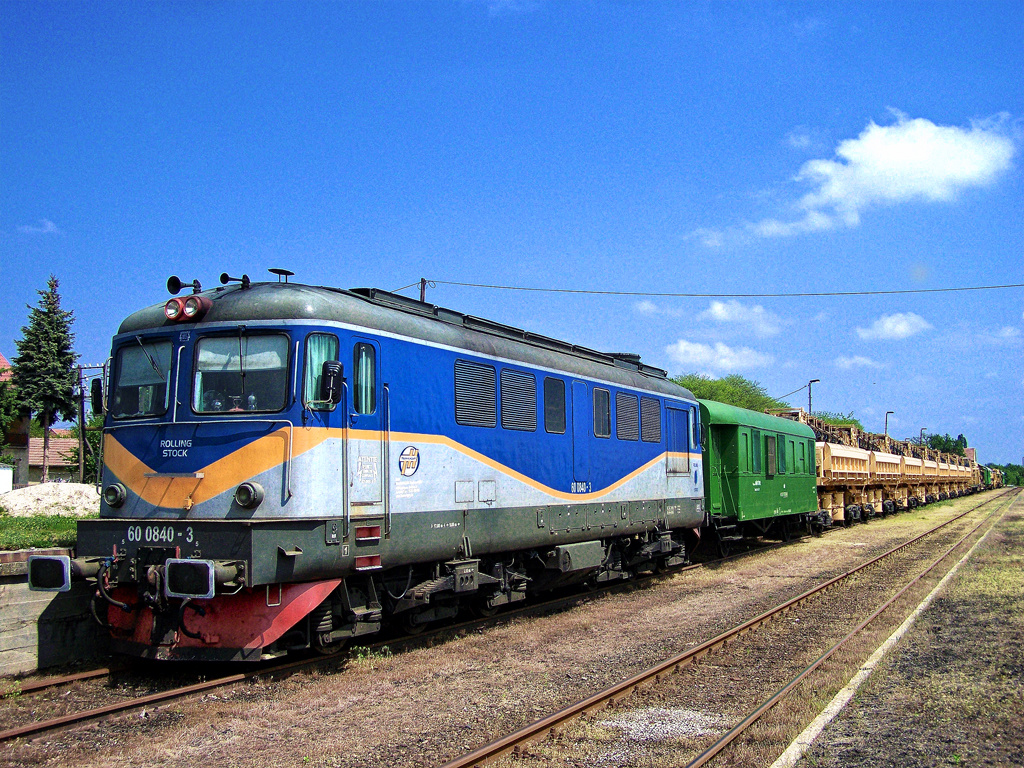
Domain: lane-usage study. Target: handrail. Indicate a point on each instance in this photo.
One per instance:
(177, 383)
(386, 457)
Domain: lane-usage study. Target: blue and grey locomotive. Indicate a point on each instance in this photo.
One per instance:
(288, 466)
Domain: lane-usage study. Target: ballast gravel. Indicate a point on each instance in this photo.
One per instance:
(429, 705)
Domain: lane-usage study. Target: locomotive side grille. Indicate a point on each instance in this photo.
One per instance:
(476, 394)
(518, 401)
(627, 417)
(650, 420)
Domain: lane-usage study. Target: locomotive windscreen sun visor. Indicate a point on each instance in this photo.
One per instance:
(189, 578)
(49, 573)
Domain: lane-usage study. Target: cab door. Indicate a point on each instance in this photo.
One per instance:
(366, 430)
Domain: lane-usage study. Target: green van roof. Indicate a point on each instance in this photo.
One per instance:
(712, 412)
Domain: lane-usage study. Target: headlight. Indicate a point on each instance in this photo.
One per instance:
(173, 309)
(249, 495)
(115, 495)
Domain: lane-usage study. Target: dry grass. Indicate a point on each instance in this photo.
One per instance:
(425, 706)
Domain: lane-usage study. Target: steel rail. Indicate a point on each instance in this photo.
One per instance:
(176, 693)
(608, 697)
(34, 686)
(170, 694)
(130, 704)
(737, 730)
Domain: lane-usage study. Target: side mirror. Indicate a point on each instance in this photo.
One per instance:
(330, 382)
(96, 397)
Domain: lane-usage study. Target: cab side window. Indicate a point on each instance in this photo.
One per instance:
(364, 379)
(320, 347)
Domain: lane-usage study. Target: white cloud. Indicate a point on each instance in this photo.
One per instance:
(899, 326)
(1008, 332)
(857, 361)
(799, 139)
(716, 358)
(46, 227)
(892, 164)
(762, 322)
(649, 308)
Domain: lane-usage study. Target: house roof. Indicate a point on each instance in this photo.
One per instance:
(60, 451)
(6, 372)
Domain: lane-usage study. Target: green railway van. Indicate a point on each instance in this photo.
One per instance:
(758, 472)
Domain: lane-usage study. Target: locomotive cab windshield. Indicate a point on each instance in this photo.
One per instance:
(142, 387)
(247, 372)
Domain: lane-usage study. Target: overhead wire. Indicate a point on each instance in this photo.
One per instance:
(798, 294)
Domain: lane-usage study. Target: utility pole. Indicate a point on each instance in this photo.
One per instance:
(887, 421)
(423, 290)
(81, 424)
(812, 381)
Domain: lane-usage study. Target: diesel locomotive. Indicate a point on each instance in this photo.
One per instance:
(288, 466)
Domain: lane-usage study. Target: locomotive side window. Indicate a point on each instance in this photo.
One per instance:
(320, 347)
(240, 373)
(476, 394)
(781, 442)
(650, 420)
(518, 401)
(695, 429)
(677, 428)
(602, 413)
(143, 380)
(364, 382)
(627, 416)
(554, 406)
(755, 445)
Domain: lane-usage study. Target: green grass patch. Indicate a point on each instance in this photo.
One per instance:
(37, 531)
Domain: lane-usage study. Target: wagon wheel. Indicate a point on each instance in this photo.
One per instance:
(787, 534)
(722, 546)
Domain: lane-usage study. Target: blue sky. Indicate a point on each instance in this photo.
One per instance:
(709, 148)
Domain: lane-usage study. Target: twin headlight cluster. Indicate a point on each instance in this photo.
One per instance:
(187, 309)
(248, 495)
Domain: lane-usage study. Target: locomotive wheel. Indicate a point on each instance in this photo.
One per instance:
(328, 649)
(478, 607)
(410, 625)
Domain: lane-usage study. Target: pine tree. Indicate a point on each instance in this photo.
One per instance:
(44, 370)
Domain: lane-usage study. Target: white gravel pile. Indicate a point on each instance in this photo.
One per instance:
(52, 499)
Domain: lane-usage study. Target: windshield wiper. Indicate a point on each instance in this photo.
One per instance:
(149, 357)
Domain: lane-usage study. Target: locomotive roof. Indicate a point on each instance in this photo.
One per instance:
(721, 413)
(380, 310)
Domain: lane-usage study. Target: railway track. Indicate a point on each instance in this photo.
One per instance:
(113, 709)
(557, 724)
(395, 643)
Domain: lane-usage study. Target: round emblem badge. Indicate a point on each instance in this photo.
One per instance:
(409, 461)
